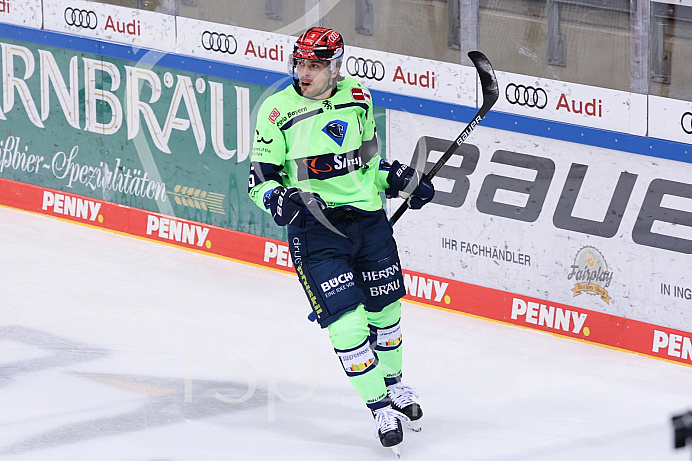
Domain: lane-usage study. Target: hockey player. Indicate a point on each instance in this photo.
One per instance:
(315, 167)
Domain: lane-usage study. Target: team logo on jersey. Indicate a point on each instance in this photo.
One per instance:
(274, 115)
(328, 165)
(336, 129)
(360, 94)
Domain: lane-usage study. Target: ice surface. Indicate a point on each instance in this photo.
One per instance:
(115, 348)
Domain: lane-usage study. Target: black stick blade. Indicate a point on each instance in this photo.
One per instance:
(490, 94)
(489, 84)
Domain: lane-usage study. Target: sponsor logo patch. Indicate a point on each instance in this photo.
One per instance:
(328, 165)
(274, 115)
(360, 94)
(357, 361)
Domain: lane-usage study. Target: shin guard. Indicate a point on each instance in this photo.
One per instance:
(349, 336)
(386, 340)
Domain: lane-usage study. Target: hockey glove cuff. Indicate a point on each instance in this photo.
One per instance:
(292, 206)
(404, 181)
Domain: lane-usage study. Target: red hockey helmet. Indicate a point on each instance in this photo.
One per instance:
(318, 44)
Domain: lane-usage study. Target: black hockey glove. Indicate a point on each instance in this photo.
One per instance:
(292, 206)
(399, 179)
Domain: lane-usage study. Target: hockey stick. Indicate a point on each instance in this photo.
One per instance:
(490, 95)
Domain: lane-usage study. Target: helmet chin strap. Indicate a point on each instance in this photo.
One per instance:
(332, 80)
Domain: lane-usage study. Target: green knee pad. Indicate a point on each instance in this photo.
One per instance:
(350, 336)
(386, 337)
(388, 316)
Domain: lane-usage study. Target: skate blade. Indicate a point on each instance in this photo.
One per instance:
(413, 426)
(397, 450)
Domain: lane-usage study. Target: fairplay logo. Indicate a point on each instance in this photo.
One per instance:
(590, 274)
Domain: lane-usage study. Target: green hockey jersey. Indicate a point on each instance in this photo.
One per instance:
(327, 147)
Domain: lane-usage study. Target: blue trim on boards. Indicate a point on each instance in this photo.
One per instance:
(652, 147)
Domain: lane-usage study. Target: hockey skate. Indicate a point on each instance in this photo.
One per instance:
(403, 402)
(388, 428)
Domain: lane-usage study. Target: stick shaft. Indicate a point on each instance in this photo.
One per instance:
(490, 95)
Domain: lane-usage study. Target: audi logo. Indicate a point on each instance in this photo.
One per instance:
(686, 122)
(81, 18)
(365, 68)
(222, 43)
(528, 96)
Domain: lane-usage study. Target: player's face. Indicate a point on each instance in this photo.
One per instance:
(315, 78)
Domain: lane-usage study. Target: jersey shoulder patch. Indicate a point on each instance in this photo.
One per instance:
(360, 94)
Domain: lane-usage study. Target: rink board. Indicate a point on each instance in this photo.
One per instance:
(449, 294)
(599, 229)
(495, 243)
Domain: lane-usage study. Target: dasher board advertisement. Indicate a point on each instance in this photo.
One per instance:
(130, 26)
(573, 103)
(28, 13)
(598, 229)
(378, 70)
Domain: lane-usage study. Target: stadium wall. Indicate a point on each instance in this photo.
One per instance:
(571, 215)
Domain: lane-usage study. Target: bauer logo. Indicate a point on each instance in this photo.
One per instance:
(673, 345)
(590, 274)
(177, 231)
(73, 207)
(550, 317)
